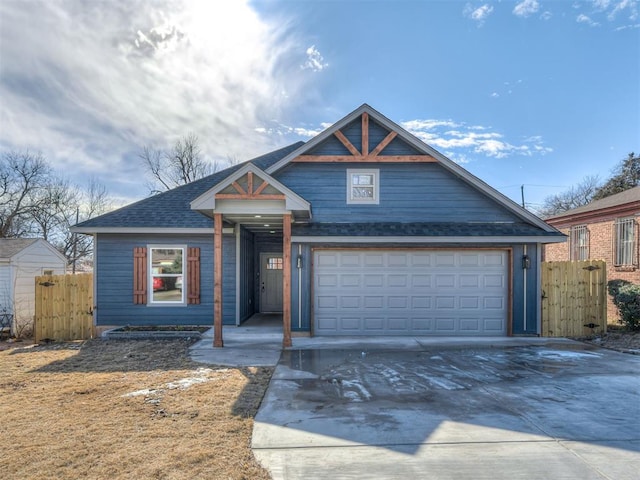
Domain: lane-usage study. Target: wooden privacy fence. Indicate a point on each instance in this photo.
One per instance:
(574, 294)
(64, 307)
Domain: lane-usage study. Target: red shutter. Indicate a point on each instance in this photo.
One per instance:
(140, 275)
(193, 278)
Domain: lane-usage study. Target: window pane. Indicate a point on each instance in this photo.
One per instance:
(625, 241)
(167, 274)
(274, 263)
(166, 260)
(360, 179)
(579, 243)
(362, 192)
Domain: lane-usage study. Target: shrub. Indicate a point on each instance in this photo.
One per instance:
(626, 298)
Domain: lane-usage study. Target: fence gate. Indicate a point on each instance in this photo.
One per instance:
(574, 294)
(64, 307)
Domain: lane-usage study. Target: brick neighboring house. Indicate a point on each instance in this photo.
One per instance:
(606, 230)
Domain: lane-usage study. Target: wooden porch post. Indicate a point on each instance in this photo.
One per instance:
(286, 280)
(217, 280)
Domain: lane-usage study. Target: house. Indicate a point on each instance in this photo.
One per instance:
(21, 261)
(605, 229)
(363, 230)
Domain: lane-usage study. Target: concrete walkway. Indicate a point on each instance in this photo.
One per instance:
(244, 346)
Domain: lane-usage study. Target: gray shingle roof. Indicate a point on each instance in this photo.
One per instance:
(622, 198)
(11, 246)
(172, 209)
(420, 229)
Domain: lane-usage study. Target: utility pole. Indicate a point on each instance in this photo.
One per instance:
(522, 194)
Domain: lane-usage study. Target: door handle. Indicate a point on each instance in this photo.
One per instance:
(263, 286)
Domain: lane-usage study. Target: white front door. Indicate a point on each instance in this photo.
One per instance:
(270, 282)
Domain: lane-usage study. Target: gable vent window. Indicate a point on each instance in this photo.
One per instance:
(579, 243)
(625, 242)
(363, 186)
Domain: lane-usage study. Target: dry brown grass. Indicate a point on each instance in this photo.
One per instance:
(65, 413)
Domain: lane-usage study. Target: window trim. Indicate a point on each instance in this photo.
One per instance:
(620, 258)
(375, 200)
(150, 275)
(577, 250)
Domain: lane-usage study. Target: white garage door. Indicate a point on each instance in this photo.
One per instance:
(410, 292)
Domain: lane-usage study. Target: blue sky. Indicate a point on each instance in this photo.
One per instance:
(540, 93)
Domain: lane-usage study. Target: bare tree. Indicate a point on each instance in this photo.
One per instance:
(34, 202)
(23, 184)
(180, 165)
(576, 196)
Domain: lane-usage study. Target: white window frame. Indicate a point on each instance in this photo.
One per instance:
(579, 243)
(624, 255)
(150, 275)
(375, 173)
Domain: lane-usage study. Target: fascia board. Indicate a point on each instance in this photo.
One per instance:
(147, 230)
(427, 240)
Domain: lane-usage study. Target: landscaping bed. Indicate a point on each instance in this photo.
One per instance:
(157, 332)
(125, 409)
(617, 339)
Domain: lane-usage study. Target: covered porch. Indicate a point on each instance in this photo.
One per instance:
(259, 211)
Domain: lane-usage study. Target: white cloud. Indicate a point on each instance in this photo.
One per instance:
(631, 6)
(315, 61)
(90, 83)
(582, 18)
(460, 141)
(479, 14)
(279, 129)
(526, 8)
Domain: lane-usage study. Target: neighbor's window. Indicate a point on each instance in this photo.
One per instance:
(624, 238)
(167, 274)
(579, 243)
(363, 186)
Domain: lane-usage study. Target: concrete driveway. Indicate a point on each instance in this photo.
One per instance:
(451, 409)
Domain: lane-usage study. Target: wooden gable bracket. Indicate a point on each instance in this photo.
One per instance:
(365, 156)
(250, 193)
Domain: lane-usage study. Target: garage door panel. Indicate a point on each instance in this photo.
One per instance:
(410, 292)
(350, 280)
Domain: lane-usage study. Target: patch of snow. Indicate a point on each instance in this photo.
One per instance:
(435, 357)
(137, 393)
(567, 354)
(364, 393)
(201, 376)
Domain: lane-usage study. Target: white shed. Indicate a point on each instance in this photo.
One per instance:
(21, 260)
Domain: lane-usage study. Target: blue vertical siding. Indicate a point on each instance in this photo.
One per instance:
(423, 192)
(247, 276)
(526, 301)
(114, 295)
(300, 297)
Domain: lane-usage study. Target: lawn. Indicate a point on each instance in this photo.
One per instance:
(125, 409)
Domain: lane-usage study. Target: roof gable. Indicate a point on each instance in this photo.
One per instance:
(398, 145)
(10, 248)
(250, 183)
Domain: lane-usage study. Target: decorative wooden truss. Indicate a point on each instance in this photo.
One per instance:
(365, 156)
(249, 193)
